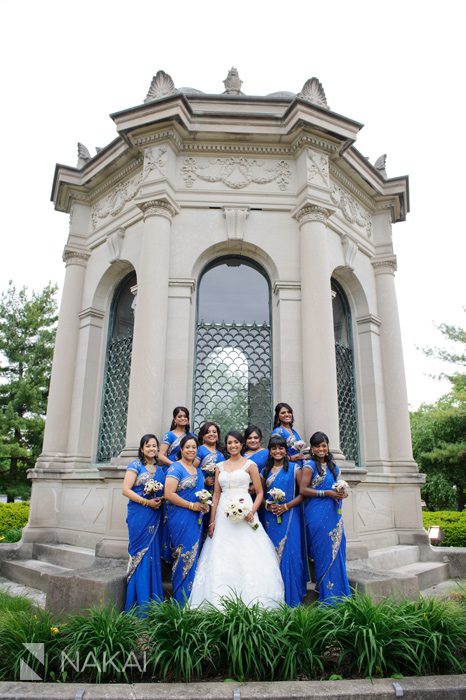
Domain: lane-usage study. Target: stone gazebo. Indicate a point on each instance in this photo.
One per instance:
(225, 252)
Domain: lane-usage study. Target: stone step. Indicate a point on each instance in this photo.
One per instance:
(65, 555)
(17, 589)
(393, 557)
(31, 572)
(428, 573)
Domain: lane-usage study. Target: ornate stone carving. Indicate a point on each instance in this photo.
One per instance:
(75, 256)
(113, 204)
(157, 207)
(115, 244)
(312, 212)
(351, 210)
(83, 155)
(314, 92)
(236, 172)
(384, 264)
(235, 221)
(349, 251)
(380, 165)
(232, 83)
(162, 85)
(317, 168)
(155, 159)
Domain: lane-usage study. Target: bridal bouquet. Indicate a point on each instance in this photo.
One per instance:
(276, 495)
(341, 487)
(205, 497)
(236, 511)
(151, 487)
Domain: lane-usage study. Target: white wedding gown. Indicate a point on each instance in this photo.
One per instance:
(237, 560)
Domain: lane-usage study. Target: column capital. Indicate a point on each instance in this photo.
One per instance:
(384, 264)
(312, 212)
(75, 256)
(157, 207)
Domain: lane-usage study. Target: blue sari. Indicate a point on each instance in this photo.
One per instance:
(207, 462)
(291, 437)
(173, 451)
(288, 536)
(259, 458)
(326, 539)
(185, 531)
(144, 575)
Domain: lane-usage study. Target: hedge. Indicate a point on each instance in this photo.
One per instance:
(453, 524)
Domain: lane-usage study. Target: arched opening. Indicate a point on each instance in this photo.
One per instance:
(233, 367)
(347, 406)
(112, 430)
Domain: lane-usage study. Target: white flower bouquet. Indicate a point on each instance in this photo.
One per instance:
(208, 469)
(276, 495)
(151, 487)
(297, 445)
(205, 497)
(341, 487)
(236, 511)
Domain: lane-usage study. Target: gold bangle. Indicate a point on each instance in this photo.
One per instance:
(286, 506)
(190, 505)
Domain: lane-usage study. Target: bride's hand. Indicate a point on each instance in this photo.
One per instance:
(249, 517)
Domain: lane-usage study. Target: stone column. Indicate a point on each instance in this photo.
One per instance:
(64, 358)
(396, 398)
(147, 377)
(318, 339)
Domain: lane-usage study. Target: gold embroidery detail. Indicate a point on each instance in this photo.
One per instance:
(318, 479)
(133, 563)
(189, 559)
(336, 535)
(176, 554)
(189, 483)
(281, 547)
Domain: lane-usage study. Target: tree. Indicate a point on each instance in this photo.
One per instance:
(439, 432)
(27, 335)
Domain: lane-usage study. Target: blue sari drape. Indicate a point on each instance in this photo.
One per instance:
(288, 536)
(144, 575)
(173, 450)
(207, 461)
(291, 437)
(185, 531)
(326, 539)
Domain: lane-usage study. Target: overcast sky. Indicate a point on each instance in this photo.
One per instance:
(397, 67)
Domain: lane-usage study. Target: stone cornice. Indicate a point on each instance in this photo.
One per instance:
(187, 282)
(281, 285)
(91, 312)
(113, 180)
(157, 207)
(369, 319)
(75, 256)
(312, 212)
(384, 264)
(356, 191)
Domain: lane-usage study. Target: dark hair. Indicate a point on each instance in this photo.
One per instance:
(143, 441)
(177, 410)
(185, 439)
(275, 441)
(278, 408)
(235, 434)
(250, 430)
(203, 430)
(316, 439)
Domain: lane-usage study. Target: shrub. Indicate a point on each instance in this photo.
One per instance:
(13, 516)
(453, 524)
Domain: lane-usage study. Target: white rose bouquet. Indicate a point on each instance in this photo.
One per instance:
(205, 497)
(236, 511)
(341, 487)
(276, 495)
(151, 487)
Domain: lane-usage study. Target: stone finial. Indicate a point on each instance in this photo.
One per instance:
(162, 85)
(83, 155)
(314, 92)
(380, 164)
(232, 82)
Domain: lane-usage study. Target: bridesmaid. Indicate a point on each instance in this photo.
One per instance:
(282, 519)
(326, 539)
(169, 451)
(144, 576)
(208, 456)
(254, 450)
(283, 425)
(185, 512)
(170, 447)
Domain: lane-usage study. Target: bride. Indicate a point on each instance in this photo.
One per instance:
(238, 558)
